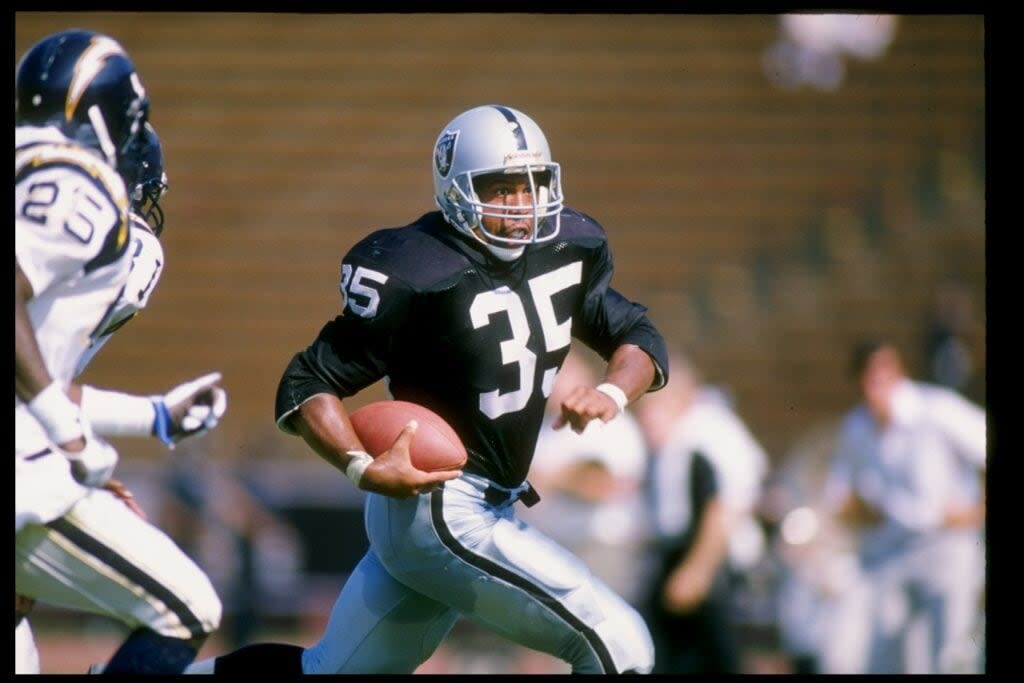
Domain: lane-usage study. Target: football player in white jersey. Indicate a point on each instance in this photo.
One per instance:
(81, 112)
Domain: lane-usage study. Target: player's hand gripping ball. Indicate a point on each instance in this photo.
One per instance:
(434, 447)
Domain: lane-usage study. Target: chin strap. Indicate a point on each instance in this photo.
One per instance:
(506, 254)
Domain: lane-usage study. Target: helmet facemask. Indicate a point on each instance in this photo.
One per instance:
(146, 202)
(545, 213)
(143, 172)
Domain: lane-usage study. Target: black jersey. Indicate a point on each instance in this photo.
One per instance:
(476, 340)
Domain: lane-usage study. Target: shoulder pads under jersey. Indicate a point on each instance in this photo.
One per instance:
(416, 254)
(74, 157)
(578, 225)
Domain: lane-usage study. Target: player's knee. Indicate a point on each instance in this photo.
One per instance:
(209, 608)
(197, 613)
(629, 641)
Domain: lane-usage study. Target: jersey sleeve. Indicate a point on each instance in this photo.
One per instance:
(352, 351)
(70, 215)
(147, 266)
(610, 320)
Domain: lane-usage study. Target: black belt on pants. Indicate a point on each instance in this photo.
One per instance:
(496, 496)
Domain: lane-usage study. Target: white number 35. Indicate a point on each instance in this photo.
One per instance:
(359, 294)
(362, 299)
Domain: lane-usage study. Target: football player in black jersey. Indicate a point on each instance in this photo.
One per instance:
(469, 310)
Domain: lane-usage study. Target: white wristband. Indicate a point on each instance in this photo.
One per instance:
(57, 414)
(357, 464)
(615, 393)
(114, 413)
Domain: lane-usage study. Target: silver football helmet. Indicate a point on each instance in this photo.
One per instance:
(495, 139)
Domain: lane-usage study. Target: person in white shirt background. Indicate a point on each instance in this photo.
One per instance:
(705, 480)
(908, 472)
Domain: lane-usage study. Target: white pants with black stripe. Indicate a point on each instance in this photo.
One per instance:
(450, 553)
(100, 557)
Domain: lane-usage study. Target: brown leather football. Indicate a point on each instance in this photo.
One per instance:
(435, 446)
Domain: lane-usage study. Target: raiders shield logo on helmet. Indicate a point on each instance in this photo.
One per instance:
(445, 151)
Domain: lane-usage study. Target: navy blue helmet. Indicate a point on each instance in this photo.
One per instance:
(84, 83)
(143, 171)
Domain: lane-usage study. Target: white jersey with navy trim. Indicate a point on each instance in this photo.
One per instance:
(147, 264)
(70, 240)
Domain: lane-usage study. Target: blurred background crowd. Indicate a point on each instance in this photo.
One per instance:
(776, 188)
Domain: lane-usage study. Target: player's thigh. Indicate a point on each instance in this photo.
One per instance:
(102, 558)
(378, 625)
(509, 577)
(43, 488)
(542, 596)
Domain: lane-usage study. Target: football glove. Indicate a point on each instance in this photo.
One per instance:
(189, 409)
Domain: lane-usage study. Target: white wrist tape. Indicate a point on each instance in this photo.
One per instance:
(114, 413)
(57, 414)
(357, 464)
(615, 393)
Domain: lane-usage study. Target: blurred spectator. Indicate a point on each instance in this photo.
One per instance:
(592, 485)
(705, 477)
(950, 338)
(908, 472)
(820, 597)
(812, 47)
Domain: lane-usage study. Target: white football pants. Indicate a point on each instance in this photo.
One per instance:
(101, 558)
(450, 553)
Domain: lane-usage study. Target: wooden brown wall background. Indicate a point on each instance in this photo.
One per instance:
(765, 228)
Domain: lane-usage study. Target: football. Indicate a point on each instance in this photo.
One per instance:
(435, 446)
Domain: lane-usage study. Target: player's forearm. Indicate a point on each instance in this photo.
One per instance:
(30, 373)
(58, 415)
(324, 424)
(631, 370)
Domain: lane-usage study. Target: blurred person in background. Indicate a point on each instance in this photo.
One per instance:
(704, 482)
(821, 594)
(908, 473)
(592, 485)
